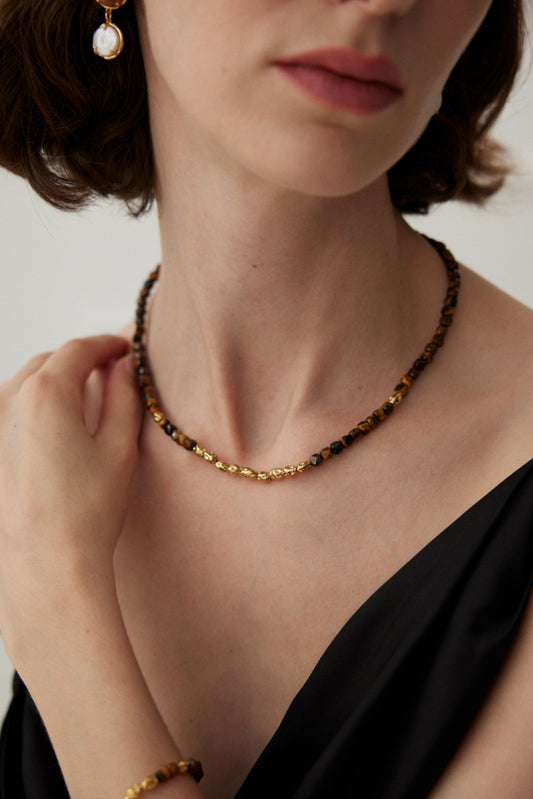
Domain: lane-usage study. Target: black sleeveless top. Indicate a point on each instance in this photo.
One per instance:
(393, 695)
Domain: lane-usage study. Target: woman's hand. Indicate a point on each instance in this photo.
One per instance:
(63, 488)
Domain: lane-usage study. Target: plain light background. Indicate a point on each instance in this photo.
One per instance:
(73, 275)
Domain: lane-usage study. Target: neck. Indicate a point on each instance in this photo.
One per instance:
(276, 312)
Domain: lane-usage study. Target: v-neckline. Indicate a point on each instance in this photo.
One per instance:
(486, 508)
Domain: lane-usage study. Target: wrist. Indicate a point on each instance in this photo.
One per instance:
(72, 618)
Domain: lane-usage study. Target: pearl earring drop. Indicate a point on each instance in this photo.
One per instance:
(108, 40)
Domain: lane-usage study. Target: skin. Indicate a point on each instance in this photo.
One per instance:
(292, 294)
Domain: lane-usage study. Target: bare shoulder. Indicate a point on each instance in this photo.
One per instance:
(494, 366)
(500, 326)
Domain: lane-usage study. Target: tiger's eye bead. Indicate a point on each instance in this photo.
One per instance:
(336, 447)
(187, 443)
(326, 453)
(347, 440)
(169, 428)
(420, 364)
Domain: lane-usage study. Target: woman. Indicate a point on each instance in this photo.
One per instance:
(318, 636)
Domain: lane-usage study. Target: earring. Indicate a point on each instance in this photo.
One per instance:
(108, 40)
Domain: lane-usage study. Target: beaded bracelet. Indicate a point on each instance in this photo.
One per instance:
(192, 767)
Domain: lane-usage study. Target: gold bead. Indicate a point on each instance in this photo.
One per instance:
(395, 399)
(210, 456)
(149, 783)
(234, 469)
(222, 466)
(198, 450)
(289, 471)
(247, 472)
(264, 476)
(303, 466)
(277, 474)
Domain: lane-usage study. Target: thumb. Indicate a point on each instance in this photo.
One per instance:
(122, 411)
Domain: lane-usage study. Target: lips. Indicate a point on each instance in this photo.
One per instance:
(345, 79)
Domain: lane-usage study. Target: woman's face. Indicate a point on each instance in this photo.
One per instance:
(254, 84)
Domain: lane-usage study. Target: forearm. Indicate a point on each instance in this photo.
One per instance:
(105, 727)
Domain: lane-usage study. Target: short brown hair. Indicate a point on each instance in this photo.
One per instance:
(76, 127)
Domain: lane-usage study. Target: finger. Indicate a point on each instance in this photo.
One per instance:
(122, 410)
(27, 370)
(75, 360)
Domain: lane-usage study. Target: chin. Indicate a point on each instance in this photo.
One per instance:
(330, 182)
(317, 176)
(323, 160)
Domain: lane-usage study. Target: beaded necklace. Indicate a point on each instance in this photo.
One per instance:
(336, 447)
